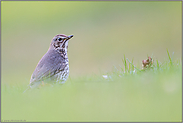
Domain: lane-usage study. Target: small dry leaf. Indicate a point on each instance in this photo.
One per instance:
(147, 63)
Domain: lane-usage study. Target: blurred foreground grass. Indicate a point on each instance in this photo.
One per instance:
(149, 96)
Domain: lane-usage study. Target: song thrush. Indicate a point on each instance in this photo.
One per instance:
(53, 66)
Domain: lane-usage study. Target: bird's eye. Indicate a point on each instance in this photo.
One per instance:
(59, 39)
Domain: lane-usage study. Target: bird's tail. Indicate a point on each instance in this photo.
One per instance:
(32, 86)
(27, 89)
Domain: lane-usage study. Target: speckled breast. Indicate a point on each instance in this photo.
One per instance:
(63, 75)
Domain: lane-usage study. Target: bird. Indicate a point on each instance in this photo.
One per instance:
(54, 65)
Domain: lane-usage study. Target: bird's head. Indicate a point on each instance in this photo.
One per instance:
(60, 42)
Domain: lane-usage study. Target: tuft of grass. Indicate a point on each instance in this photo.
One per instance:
(133, 65)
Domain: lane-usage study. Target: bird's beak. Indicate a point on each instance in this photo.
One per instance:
(70, 36)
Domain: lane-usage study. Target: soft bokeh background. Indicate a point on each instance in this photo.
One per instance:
(103, 33)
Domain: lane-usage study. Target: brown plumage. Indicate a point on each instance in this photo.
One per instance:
(53, 66)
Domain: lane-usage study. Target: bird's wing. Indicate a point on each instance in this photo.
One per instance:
(50, 64)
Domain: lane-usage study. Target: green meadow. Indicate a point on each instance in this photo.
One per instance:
(127, 95)
(106, 81)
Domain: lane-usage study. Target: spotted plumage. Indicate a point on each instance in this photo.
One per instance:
(54, 65)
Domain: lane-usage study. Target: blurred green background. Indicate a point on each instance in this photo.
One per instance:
(103, 33)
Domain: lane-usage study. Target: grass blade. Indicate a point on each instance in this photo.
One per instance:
(133, 65)
(157, 64)
(125, 64)
(169, 57)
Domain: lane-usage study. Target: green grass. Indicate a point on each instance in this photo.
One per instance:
(128, 94)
